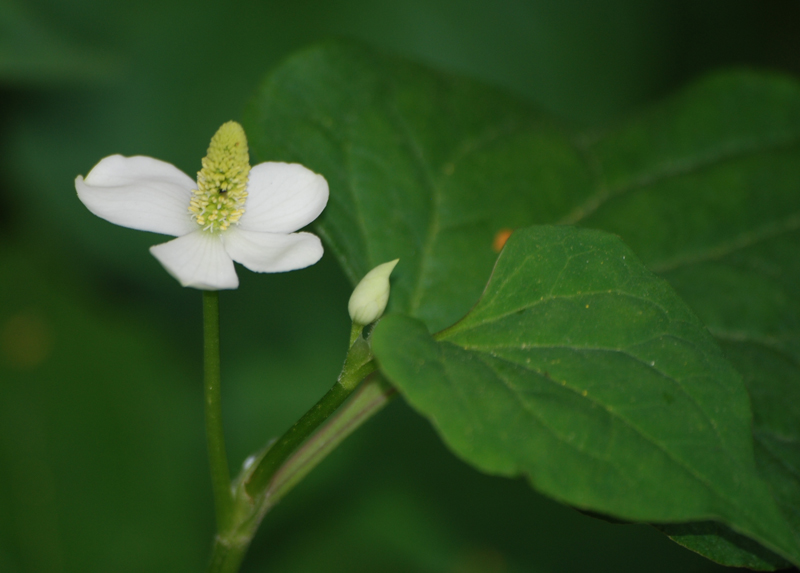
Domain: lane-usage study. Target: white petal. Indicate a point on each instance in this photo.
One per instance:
(282, 198)
(272, 252)
(139, 192)
(198, 260)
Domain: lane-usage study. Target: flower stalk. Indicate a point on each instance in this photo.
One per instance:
(215, 438)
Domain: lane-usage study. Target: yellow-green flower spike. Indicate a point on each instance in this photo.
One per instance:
(218, 201)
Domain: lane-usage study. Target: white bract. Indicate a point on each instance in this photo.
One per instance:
(232, 213)
(370, 296)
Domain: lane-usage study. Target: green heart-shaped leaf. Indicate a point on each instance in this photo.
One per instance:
(582, 370)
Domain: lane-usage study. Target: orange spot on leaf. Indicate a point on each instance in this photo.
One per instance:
(500, 239)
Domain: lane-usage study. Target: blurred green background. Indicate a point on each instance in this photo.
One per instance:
(102, 459)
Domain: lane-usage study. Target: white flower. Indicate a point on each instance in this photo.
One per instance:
(370, 296)
(232, 213)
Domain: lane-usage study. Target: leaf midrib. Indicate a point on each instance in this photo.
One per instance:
(465, 325)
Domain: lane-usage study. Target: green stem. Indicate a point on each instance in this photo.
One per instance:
(304, 427)
(355, 332)
(367, 401)
(226, 557)
(229, 549)
(218, 460)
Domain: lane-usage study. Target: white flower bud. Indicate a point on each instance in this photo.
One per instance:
(369, 298)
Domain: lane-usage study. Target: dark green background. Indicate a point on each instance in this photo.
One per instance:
(102, 461)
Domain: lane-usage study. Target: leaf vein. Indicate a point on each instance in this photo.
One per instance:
(705, 481)
(678, 167)
(744, 240)
(516, 394)
(761, 438)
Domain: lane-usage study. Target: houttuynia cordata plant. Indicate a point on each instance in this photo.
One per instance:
(612, 315)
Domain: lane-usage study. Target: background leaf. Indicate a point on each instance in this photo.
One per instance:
(442, 162)
(726, 237)
(719, 543)
(703, 187)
